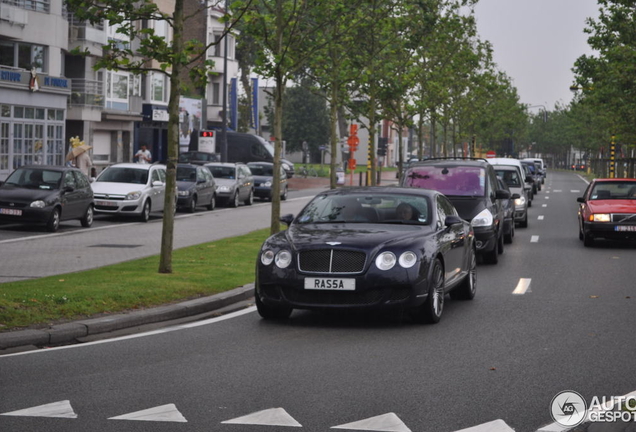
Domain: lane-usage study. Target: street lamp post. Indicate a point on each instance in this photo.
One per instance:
(224, 157)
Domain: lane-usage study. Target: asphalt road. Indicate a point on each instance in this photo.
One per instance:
(551, 316)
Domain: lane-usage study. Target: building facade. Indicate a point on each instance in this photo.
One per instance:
(48, 94)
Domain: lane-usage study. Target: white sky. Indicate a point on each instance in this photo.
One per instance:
(536, 42)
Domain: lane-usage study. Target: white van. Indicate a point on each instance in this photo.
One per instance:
(527, 186)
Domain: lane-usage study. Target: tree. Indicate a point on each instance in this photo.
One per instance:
(305, 118)
(281, 32)
(147, 52)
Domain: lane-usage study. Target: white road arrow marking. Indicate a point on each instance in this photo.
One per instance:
(383, 423)
(493, 426)
(61, 409)
(522, 286)
(268, 417)
(164, 413)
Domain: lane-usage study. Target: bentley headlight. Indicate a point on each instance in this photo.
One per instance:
(483, 219)
(267, 257)
(600, 217)
(519, 202)
(385, 261)
(133, 196)
(38, 204)
(408, 259)
(283, 259)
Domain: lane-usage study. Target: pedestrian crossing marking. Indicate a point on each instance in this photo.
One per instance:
(493, 426)
(389, 422)
(268, 417)
(164, 413)
(61, 409)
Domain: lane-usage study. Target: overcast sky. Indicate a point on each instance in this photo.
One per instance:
(536, 43)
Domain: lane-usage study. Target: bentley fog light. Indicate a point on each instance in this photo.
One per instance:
(267, 257)
(385, 261)
(283, 259)
(408, 259)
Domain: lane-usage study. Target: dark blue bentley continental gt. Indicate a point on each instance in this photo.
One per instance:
(365, 248)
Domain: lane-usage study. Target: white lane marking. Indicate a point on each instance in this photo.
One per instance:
(522, 286)
(268, 417)
(583, 178)
(547, 197)
(534, 239)
(544, 205)
(493, 426)
(133, 336)
(61, 409)
(541, 217)
(558, 190)
(163, 413)
(389, 422)
(575, 191)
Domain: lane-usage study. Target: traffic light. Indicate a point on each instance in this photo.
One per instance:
(382, 145)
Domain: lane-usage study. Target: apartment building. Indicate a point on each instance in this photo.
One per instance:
(33, 88)
(48, 95)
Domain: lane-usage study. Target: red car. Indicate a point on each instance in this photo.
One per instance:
(608, 210)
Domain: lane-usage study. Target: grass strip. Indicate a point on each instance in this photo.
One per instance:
(198, 271)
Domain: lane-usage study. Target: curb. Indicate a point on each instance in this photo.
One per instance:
(70, 332)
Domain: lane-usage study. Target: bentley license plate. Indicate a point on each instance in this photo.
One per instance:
(630, 228)
(330, 284)
(12, 212)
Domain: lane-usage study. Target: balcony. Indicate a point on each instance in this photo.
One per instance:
(86, 94)
(33, 5)
(13, 14)
(83, 35)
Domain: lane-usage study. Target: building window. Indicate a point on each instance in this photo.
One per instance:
(22, 55)
(218, 49)
(216, 94)
(162, 29)
(159, 88)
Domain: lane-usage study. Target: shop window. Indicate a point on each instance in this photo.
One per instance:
(159, 88)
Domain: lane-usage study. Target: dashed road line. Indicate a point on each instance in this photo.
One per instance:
(534, 239)
(541, 217)
(544, 205)
(522, 287)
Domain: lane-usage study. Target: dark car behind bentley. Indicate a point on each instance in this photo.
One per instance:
(368, 248)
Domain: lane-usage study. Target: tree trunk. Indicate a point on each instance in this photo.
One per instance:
(167, 232)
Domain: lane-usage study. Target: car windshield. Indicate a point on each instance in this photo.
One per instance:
(35, 178)
(261, 170)
(223, 172)
(367, 208)
(123, 175)
(449, 180)
(614, 190)
(186, 174)
(509, 177)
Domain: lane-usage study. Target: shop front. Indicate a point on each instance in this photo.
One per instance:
(32, 119)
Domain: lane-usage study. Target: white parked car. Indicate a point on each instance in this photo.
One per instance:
(130, 189)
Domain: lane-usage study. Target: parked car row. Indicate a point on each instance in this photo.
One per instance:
(46, 195)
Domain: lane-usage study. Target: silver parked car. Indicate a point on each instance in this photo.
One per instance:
(234, 183)
(130, 189)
